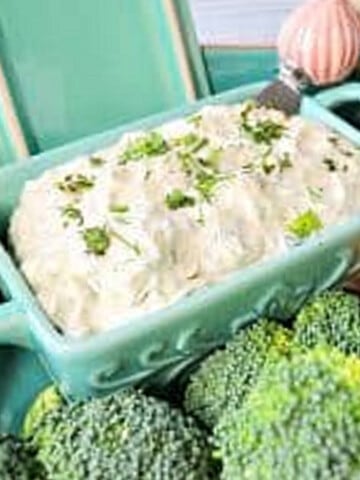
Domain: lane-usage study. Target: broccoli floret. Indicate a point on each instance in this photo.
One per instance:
(226, 376)
(332, 318)
(18, 460)
(301, 421)
(126, 436)
(47, 400)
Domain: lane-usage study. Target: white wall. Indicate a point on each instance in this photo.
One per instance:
(250, 22)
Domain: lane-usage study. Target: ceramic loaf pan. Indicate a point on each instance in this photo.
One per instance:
(158, 346)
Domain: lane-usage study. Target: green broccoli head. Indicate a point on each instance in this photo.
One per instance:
(126, 436)
(47, 400)
(18, 460)
(301, 421)
(225, 377)
(332, 318)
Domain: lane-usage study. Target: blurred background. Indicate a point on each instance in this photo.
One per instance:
(241, 22)
(234, 22)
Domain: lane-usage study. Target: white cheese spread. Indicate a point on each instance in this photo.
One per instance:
(133, 228)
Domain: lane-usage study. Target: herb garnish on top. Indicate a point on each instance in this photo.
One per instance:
(261, 131)
(72, 213)
(75, 183)
(97, 240)
(96, 161)
(178, 199)
(149, 145)
(305, 224)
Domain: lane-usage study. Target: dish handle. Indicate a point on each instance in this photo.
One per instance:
(347, 121)
(13, 325)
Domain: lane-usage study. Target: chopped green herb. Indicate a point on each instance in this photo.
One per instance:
(191, 164)
(119, 208)
(267, 167)
(149, 145)
(334, 140)
(330, 164)
(285, 162)
(305, 224)
(198, 144)
(178, 199)
(147, 174)
(315, 193)
(248, 107)
(248, 167)
(201, 218)
(188, 163)
(72, 213)
(212, 159)
(76, 183)
(132, 246)
(264, 131)
(195, 164)
(97, 240)
(206, 183)
(192, 142)
(96, 161)
(195, 119)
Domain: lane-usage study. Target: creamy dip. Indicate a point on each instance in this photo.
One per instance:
(135, 227)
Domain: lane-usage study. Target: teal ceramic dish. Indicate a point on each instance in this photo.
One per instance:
(159, 346)
(334, 98)
(22, 378)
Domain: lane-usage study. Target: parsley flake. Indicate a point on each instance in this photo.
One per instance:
(333, 139)
(192, 142)
(119, 208)
(195, 119)
(248, 167)
(178, 199)
(330, 164)
(268, 167)
(132, 246)
(263, 132)
(75, 183)
(305, 224)
(149, 145)
(212, 159)
(96, 161)
(285, 162)
(97, 240)
(70, 212)
(315, 193)
(206, 184)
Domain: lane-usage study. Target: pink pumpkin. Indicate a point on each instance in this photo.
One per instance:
(322, 37)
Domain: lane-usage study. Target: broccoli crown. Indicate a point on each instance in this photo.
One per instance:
(126, 436)
(18, 460)
(301, 421)
(47, 400)
(332, 318)
(225, 377)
